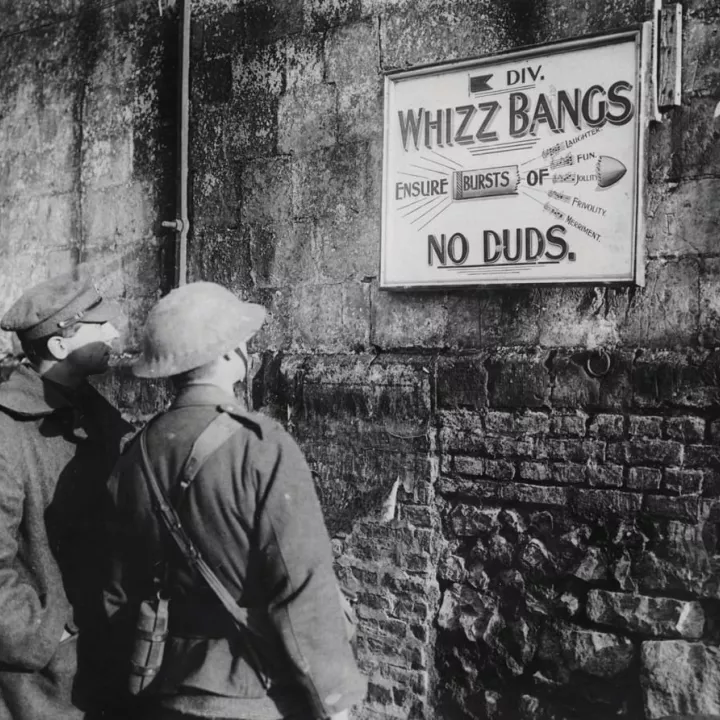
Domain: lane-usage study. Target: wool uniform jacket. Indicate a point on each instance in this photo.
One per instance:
(56, 452)
(253, 513)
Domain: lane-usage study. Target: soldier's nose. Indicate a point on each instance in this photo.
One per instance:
(109, 333)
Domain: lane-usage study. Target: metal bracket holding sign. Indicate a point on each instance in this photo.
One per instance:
(670, 57)
(521, 168)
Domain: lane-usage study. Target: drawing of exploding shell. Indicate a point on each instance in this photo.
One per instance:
(609, 171)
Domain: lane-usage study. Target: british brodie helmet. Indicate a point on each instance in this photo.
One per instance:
(192, 326)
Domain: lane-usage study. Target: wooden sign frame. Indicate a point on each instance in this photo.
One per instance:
(521, 168)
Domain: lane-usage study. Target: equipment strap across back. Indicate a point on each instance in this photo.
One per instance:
(221, 429)
(210, 439)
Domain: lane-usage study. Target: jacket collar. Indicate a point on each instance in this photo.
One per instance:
(205, 394)
(26, 393)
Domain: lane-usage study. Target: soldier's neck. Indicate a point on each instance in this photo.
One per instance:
(227, 387)
(60, 373)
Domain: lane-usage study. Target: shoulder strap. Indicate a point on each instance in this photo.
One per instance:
(172, 523)
(219, 431)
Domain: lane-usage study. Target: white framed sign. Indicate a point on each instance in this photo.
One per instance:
(521, 168)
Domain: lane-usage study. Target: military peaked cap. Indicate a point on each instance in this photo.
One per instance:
(56, 304)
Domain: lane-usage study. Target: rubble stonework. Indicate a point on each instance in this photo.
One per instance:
(542, 579)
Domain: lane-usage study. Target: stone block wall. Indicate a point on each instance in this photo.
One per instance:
(526, 540)
(529, 535)
(581, 563)
(87, 141)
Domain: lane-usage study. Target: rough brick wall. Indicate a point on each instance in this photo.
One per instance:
(527, 540)
(87, 110)
(581, 564)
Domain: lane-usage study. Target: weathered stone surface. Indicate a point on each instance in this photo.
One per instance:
(251, 115)
(710, 301)
(276, 255)
(468, 465)
(320, 14)
(360, 111)
(341, 248)
(324, 317)
(643, 478)
(682, 220)
(472, 520)
(679, 560)
(646, 426)
(700, 64)
(304, 60)
(462, 383)
(599, 503)
(388, 389)
(665, 379)
(578, 451)
(683, 482)
(662, 452)
(507, 318)
(605, 475)
(534, 495)
(685, 429)
(685, 148)
(568, 473)
(345, 45)
(25, 221)
(406, 321)
(536, 472)
(665, 313)
(571, 317)
(476, 614)
(699, 456)
(680, 679)
(593, 566)
(573, 387)
(534, 559)
(565, 649)
(569, 424)
(119, 214)
(499, 469)
(677, 507)
(464, 332)
(518, 381)
(530, 423)
(462, 431)
(660, 617)
(512, 524)
(498, 551)
(337, 179)
(607, 427)
(315, 127)
(457, 30)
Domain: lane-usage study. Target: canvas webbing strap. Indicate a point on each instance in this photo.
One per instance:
(171, 520)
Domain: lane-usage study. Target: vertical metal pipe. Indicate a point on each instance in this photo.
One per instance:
(183, 223)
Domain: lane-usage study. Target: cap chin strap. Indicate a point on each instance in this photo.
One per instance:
(239, 351)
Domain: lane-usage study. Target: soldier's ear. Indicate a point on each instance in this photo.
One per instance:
(57, 347)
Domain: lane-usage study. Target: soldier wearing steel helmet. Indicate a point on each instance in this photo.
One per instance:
(253, 515)
(60, 440)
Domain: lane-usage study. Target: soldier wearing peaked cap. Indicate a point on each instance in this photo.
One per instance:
(60, 439)
(253, 516)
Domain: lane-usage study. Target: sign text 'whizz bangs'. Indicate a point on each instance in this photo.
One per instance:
(517, 169)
